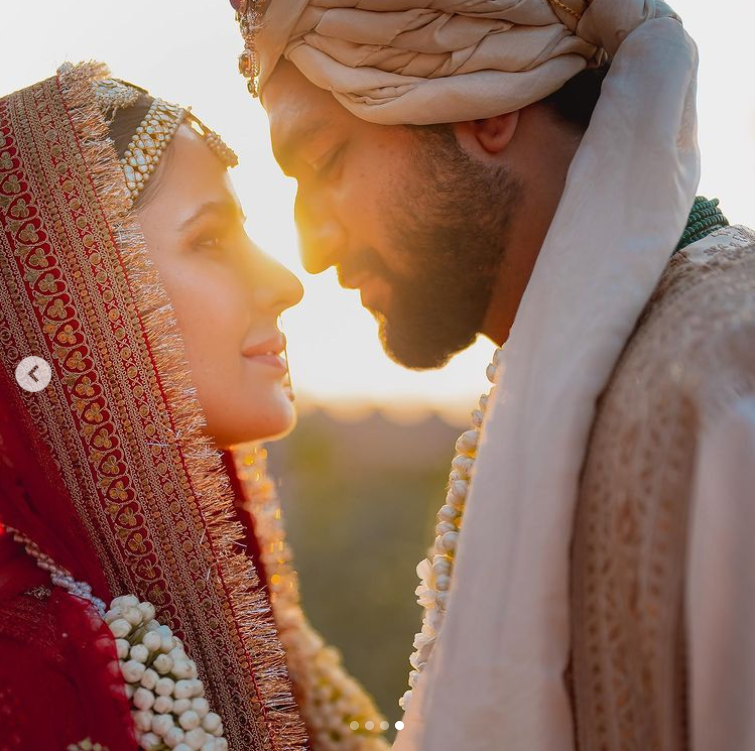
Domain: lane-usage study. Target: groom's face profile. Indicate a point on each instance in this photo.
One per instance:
(402, 213)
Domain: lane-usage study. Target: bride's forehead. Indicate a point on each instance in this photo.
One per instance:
(192, 145)
(190, 176)
(189, 153)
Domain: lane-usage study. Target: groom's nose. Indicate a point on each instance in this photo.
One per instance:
(321, 237)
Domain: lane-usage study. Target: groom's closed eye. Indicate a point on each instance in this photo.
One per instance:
(290, 147)
(326, 165)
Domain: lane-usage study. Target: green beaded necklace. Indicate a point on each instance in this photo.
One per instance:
(704, 218)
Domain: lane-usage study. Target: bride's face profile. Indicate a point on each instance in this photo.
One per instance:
(226, 293)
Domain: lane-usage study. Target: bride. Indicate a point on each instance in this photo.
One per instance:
(147, 598)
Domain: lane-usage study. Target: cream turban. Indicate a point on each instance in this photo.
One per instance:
(433, 61)
(496, 676)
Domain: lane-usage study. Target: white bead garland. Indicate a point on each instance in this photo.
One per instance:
(168, 705)
(435, 572)
(167, 698)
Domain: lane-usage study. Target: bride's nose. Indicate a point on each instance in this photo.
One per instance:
(276, 287)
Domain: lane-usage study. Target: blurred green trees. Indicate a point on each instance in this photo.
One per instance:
(360, 500)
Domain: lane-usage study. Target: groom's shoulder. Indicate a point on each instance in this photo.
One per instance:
(693, 350)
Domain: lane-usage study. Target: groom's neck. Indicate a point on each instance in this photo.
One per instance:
(541, 156)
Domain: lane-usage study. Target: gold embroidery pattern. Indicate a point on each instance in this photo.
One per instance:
(124, 426)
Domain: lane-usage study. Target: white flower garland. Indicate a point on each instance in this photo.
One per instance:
(167, 698)
(436, 570)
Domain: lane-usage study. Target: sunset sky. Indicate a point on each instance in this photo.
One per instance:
(185, 51)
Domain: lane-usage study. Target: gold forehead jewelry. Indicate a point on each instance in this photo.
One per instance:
(249, 17)
(148, 143)
(217, 145)
(153, 135)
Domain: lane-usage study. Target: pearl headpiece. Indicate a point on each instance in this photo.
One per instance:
(155, 132)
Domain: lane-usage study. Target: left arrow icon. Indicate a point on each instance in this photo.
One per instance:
(33, 374)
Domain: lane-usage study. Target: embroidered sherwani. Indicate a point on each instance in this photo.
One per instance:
(663, 567)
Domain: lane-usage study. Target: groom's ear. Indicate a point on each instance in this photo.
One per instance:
(488, 137)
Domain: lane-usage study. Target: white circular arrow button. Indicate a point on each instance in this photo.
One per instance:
(33, 374)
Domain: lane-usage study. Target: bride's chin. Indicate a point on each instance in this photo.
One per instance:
(267, 419)
(281, 421)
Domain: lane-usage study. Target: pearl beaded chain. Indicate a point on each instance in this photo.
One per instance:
(59, 576)
(435, 572)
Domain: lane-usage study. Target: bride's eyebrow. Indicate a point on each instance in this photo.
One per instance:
(224, 209)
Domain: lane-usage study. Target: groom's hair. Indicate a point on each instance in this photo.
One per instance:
(575, 101)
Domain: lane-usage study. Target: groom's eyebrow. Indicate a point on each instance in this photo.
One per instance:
(286, 148)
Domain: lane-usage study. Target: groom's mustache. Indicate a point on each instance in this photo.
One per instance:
(360, 265)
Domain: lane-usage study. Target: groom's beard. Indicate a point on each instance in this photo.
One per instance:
(452, 223)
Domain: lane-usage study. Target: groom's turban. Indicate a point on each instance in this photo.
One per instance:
(435, 61)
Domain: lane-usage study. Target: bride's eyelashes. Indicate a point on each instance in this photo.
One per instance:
(212, 242)
(219, 235)
(213, 237)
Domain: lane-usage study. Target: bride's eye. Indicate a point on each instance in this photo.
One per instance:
(209, 242)
(224, 234)
(214, 239)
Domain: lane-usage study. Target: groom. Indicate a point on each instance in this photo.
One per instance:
(527, 170)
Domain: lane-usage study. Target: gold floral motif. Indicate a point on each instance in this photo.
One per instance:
(20, 209)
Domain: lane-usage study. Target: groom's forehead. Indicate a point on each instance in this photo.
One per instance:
(298, 111)
(288, 93)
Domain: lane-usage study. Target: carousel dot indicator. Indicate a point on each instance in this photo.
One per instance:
(33, 374)
(399, 725)
(369, 725)
(384, 725)
(354, 725)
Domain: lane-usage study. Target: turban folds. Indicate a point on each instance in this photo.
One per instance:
(434, 61)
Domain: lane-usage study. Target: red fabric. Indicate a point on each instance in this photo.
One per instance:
(59, 677)
(60, 681)
(245, 519)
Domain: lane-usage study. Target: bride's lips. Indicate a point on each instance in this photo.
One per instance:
(269, 352)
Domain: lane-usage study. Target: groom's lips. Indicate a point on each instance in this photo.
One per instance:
(369, 286)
